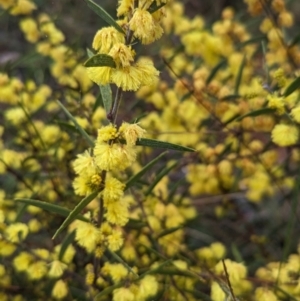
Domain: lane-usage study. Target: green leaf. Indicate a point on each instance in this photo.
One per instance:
(98, 102)
(75, 212)
(292, 87)
(154, 7)
(161, 144)
(50, 207)
(66, 242)
(295, 41)
(164, 172)
(168, 231)
(239, 76)
(215, 69)
(20, 212)
(104, 15)
(67, 126)
(136, 177)
(135, 224)
(89, 53)
(256, 113)
(291, 224)
(100, 60)
(254, 40)
(231, 97)
(106, 97)
(236, 253)
(157, 269)
(80, 129)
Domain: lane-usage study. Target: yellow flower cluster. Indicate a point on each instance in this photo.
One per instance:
(91, 167)
(128, 74)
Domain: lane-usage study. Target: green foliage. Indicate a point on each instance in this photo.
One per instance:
(214, 216)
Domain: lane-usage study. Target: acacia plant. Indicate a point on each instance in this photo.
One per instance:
(171, 176)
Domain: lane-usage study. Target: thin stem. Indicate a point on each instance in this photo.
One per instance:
(116, 104)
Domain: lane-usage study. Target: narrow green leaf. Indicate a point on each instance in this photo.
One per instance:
(254, 40)
(164, 172)
(154, 7)
(98, 102)
(256, 113)
(135, 224)
(89, 53)
(236, 253)
(67, 126)
(66, 242)
(231, 97)
(161, 256)
(158, 269)
(233, 118)
(292, 87)
(239, 76)
(106, 97)
(295, 41)
(80, 129)
(50, 207)
(292, 222)
(20, 212)
(168, 231)
(215, 69)
(104, 15)
(136, 177)
(75, 212)
(100, 60)
(161, 144)
(107, 291)
(173, 189)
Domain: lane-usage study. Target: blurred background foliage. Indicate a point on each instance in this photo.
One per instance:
(255, 233)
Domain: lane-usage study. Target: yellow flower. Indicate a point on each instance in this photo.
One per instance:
(145, 27)
(123, 55)
(87, 235)
(117, 213)
(123, 294)
(285, 135)
(113, 190)
(22, 7)
(264, 294)
(57, 269)
(124, 7)
(16, 116)
(276, 102)
(116, 271)
(131, 132)
(105, 38)
(113, 157)
(30, 29)
(217, 293)
(149, 72)
(68, 254)
(99, 75)
(296, 114)
(148, 287)
(128, 78)
(6, 248)
(37, 270)
(60, 290)
(16, 232)
(107, 133)
(81, 185)
(115, 240)
(22, 261)
(85, 164)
